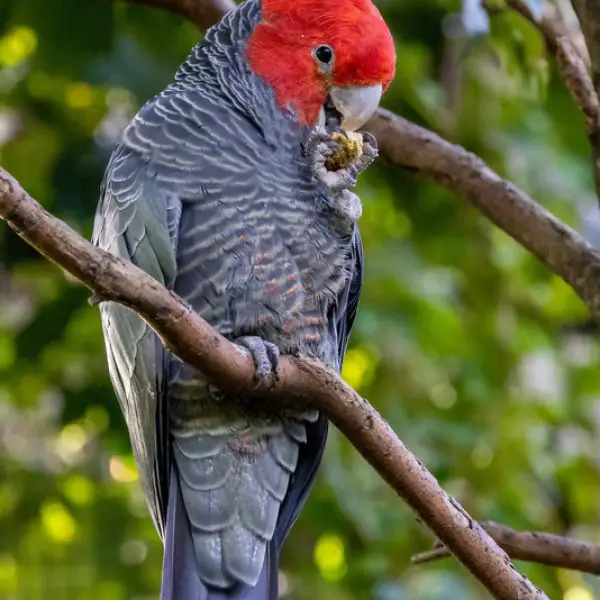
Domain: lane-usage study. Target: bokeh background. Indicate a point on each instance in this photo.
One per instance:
(482, 361)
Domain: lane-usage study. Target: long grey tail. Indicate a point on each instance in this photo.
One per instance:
(180, 579)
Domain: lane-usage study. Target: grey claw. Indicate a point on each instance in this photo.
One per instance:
(266, 357)
(320, 146)
(369, 139)
(370, 151)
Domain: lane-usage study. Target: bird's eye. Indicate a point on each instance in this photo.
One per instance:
(324, 54)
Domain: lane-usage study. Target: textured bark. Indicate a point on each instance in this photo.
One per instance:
(534, 546)
(572, 63)
(300, 380)
(588, 12)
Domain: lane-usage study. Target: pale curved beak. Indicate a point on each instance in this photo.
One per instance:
(355, 104)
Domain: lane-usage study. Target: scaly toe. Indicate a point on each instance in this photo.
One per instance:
(265, 355)
(369, 139)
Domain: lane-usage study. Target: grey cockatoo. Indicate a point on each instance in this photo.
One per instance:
(219, 189)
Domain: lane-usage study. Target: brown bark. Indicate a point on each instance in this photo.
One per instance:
(534, 546)
(572, 65)
(562, 249)
(588, 13)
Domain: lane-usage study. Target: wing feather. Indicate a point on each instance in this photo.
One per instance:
(138, 222)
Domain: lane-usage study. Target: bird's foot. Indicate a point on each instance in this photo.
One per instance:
(266, 358)
(324, 147)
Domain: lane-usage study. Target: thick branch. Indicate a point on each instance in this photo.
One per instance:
(563, 250)
(198, 344)
(534, 546)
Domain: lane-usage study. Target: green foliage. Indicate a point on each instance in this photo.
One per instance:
(473, 351)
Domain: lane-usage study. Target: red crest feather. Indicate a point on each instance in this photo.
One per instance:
(281, 50)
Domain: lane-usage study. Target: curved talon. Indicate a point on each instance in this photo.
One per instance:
(369, 139)
(363, 162)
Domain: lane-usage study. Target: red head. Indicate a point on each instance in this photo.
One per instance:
(307, 49)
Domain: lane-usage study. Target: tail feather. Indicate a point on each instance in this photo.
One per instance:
(180, 580)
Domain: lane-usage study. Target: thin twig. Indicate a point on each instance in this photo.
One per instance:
(533, 546)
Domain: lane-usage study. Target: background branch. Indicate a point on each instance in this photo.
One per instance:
(588, 13)
(534, 546)
(562, 249)
(571, 64)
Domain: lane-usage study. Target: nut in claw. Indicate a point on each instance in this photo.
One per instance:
(347, 152)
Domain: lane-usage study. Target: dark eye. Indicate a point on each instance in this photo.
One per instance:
(324, 54)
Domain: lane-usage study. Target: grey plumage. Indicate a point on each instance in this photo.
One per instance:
(211, 193)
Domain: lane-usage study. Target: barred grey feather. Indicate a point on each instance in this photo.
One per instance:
(210, 192)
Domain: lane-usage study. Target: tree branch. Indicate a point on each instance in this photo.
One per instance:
(300, 380)
(534, 546)
(571, 64)
(588, 13)
(562, 249)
